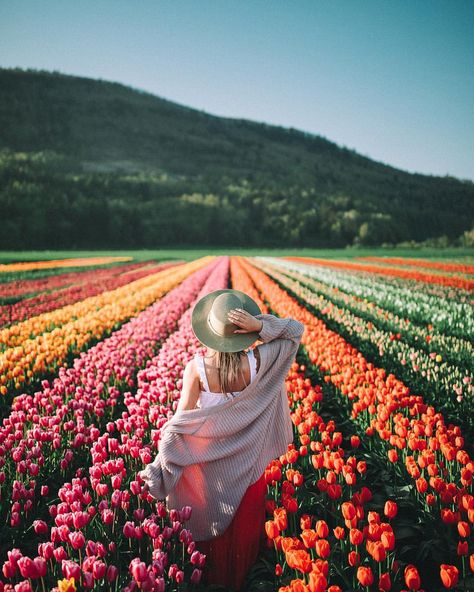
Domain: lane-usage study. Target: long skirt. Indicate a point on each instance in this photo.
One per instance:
(232, 554)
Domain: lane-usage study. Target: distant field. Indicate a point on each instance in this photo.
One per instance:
(464, 255)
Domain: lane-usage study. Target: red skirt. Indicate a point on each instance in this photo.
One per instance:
(232, 554)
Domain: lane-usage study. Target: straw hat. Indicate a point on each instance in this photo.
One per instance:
(211, 325)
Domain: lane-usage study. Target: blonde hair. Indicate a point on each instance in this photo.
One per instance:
(229, 365)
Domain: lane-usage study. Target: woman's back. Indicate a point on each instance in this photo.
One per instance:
(210, 388)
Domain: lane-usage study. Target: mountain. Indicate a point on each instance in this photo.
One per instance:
(91, 163)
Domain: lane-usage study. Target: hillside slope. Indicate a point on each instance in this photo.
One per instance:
(275, 185)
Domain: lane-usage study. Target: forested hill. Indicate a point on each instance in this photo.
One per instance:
(90, 163)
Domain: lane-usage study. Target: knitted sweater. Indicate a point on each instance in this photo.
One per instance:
(208, 457)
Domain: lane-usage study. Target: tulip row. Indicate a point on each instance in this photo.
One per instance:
(46, 434)
(90, 284)
(411, 289)
(411, 435)
(28, 287)
(444, 280)
(371, 303)
(93, 516)
(448, 386)
(317, 471)
(424, 263)
(84, 322)
(55, 263)
(16, 334)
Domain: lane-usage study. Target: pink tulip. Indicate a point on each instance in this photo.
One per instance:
(77, 540)
(27, 568)
(129, 530)
(59, 554)
(9, 569)
(46, 550)
(196, 576)
(138, 570)
(70, 569)
(41, 566)
(99, 569)
(40, 527)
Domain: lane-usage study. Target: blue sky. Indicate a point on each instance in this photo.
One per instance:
(391, 79)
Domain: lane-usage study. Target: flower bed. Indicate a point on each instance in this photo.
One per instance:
(65, 332)
(419, 276)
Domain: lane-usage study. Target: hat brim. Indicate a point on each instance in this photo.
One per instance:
(230, 343)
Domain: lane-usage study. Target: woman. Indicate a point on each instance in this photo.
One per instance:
(231, 420)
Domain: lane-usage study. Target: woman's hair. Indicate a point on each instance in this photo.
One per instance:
(229, 366)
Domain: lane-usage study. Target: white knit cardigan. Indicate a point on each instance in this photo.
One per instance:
(208, 457)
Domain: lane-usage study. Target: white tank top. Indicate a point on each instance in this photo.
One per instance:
(209, 398)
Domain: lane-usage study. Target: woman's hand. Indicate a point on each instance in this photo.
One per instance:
(244, 320)
(145, 486)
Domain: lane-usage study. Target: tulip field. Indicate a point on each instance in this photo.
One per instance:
(374, 494)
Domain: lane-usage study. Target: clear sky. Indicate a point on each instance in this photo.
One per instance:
(393, 79)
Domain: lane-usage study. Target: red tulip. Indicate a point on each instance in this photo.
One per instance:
(463, 548)
(385, 584)
(353, 558)
(449, 575)
(390, 509)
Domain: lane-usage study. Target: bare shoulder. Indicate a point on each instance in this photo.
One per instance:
(190, 370)
(190, 389)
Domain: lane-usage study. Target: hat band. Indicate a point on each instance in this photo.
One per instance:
(219, 328)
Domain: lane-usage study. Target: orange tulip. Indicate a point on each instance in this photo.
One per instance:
(272, 530)
(365, 576)
(309, 538)
(299, 559)
(280, 518)
(323, 548)
(464, 529)
(412, 577)
(322, 529)
(317, 582)
(356, 536)
(348, 510)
